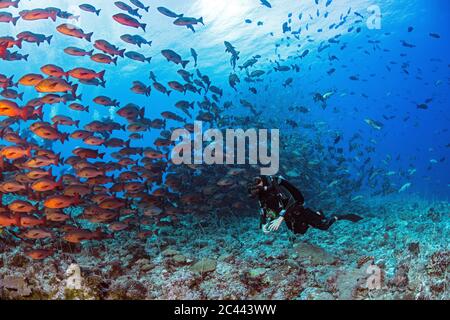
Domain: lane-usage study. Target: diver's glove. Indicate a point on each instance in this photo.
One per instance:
(275, 224)
(265, 229)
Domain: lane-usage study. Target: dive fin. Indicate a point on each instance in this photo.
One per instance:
(350, 217)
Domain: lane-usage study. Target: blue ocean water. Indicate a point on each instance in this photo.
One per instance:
(368, 54)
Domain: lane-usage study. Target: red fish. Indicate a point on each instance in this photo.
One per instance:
(105, 101)
(126, 20)
(4, 4)
(103, 58)
(11, 42)
(54, 71)
(3, 50)
(39, 254)
(8, 221)
(86, 74)
(8, 17)
(73, 31)
(31, 221)
(108, 48)
(38, 14)
(61, 201)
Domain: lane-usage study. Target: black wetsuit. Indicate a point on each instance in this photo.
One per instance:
(282, 195)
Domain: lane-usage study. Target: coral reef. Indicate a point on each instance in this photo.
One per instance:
(400, 252)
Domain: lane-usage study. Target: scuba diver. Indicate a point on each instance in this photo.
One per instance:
(281, 201)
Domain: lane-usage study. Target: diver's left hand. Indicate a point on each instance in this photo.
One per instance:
(275, 224)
